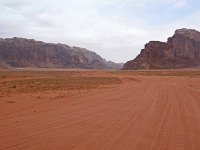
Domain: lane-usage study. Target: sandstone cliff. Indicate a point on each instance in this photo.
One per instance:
(182, 50)
(20, 53)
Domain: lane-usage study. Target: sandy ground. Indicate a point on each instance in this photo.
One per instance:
(142, 113)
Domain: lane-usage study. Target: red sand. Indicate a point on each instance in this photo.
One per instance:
(151, 113)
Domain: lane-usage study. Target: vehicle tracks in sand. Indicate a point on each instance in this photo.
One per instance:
(153, 114)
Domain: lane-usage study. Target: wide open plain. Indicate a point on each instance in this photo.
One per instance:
(99, 110)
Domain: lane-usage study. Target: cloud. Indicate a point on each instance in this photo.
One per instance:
(115, 29)
(14, 4)
(181, 4)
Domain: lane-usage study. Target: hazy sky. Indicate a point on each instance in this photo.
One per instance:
(115, 29)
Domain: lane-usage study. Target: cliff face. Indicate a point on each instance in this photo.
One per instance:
(19, 52)
(182, 50)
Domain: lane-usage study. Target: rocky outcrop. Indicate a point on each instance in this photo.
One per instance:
(20, 52)
(182, 50)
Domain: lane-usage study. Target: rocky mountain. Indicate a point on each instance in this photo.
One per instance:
(113, 65)
(20, 53)
(182, 50)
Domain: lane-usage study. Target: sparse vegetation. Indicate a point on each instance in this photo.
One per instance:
(39, 81)
(29, 82)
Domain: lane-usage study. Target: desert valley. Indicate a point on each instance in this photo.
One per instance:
(98, 110)
(83, 109)
(99, 75)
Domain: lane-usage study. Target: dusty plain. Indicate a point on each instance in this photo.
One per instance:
(99, 110)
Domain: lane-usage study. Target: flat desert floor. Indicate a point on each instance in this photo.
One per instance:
(99, 110)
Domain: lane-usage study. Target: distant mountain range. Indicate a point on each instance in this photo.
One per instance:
(182, 50)
(22, 53)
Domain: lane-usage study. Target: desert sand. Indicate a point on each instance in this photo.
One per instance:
(157, 110)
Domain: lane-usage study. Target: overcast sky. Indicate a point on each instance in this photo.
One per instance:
(115, 29)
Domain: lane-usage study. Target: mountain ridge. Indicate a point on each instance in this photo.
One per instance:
(21, 52)
(182, 50)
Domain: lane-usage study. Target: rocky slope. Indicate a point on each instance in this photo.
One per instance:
(182, 50)
(20, 52)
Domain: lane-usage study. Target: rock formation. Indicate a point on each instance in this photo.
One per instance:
(182, 50)
(20, 53)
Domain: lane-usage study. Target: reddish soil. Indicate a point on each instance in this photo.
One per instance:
(141, 113)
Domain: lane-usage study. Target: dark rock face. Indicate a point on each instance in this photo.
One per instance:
(19, 52)
(182, 50)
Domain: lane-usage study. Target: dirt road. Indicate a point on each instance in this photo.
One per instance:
(148, 113)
